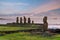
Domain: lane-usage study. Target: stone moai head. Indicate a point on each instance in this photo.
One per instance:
(45, 19)
(17, 20)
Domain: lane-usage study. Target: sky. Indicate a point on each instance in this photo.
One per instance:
(35, 9)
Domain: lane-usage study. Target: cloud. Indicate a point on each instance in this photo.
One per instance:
(10, 8)
(13, 11)
(46, 7)
(13, 4)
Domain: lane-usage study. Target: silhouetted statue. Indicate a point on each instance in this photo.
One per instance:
(32, 22)
(24, 20)
(45, 24)
(17, 20)
(20, 20)
(29, 21)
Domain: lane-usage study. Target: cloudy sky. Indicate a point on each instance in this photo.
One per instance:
(35, 9)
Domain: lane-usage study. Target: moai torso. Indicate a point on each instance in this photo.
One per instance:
(24, 20)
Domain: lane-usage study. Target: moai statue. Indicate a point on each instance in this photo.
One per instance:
(24, 20)
(45, 24)
(32, 22)
(20, 20)
(29, 21)
(17, 20)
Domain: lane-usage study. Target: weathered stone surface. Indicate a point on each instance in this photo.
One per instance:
(45, 24)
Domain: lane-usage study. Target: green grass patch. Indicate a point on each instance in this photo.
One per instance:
(12, 28)
(27, 36)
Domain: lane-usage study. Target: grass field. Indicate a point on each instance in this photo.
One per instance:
(24, 35)
(8, 28)
(27, 36)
